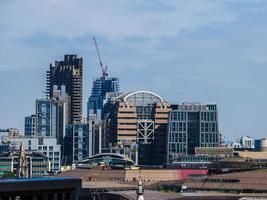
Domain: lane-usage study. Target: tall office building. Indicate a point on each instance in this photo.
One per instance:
(30, 125)
(77, 143)
(138, 121)
(101, 86)
(51, 115)
(44, 125)
(68, 72)
(192, 125)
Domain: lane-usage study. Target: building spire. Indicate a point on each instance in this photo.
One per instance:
(22, 168)
(140, 191)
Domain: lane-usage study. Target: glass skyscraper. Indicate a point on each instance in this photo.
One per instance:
(101, 86)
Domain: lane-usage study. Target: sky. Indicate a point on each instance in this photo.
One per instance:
(184, 50)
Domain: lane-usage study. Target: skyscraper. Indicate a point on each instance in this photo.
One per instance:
(68, 72)
(101, 86)
(76, 143)
(192, 125)
(51, 114)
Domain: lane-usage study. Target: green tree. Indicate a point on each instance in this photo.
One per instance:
(8, 174)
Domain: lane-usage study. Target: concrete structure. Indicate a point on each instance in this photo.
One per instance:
(30, 125)
(44, 145)
(138, 122)
(96, 177)
(261, 145)
(68, 72)
(192, 125)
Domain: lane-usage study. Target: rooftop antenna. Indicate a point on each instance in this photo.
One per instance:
(103, 68)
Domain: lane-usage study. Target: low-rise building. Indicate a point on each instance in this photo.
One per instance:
(37, 163)
(45, 145)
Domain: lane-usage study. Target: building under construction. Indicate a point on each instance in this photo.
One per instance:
(68, 72)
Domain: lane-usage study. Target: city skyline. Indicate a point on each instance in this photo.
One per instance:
(211, 51)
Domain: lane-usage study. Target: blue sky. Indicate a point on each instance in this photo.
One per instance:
(184, 50)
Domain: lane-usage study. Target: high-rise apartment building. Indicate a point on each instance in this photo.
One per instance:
(44, 122)
(30, 125)
(192, 125)
(101, 86)
(68, 72)
(51, 115)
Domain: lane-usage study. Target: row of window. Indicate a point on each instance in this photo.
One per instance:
(178, 116)
(208, 116)
(177, 126)
(177, 148)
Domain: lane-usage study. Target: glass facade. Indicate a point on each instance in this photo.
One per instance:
(101, 87)
(76, 145)
(30, 125)
(38, 164)
(43, 117)
(190, 126)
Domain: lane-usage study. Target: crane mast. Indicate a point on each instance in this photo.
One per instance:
(103, 68)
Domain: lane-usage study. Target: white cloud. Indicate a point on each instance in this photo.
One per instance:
(113, 19)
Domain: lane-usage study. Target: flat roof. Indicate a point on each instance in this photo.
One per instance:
(39, 184)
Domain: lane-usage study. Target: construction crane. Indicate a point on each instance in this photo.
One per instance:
(103, 68)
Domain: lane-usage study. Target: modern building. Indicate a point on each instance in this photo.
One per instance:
(45, 145)
(60, 112)
(30, 125)
(95, 132)
(138, 121)
(192, 125)
(52, 115)
(76, 143)
(242, 143)
(105, 160)
(68, 72)
(101, 86)
(246, 142)
(44, 125)
(37, 163)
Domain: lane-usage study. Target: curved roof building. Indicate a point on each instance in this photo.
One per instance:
(138, 97)
(105, 159)
(137, 117)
